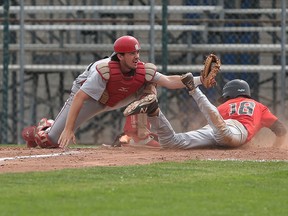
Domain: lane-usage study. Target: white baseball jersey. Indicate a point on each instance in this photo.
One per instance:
(91, 82)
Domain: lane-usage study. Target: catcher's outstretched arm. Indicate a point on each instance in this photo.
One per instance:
(174, 81)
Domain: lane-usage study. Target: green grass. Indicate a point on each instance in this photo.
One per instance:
(190, 188)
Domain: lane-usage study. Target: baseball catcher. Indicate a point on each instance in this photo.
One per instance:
(105, 85)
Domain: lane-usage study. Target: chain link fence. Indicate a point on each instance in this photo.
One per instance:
(47, 43)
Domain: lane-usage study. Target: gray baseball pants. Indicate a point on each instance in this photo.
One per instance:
(227, 133)
(89, 109)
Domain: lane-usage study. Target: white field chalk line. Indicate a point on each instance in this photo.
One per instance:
(244, 160)
(37, 156)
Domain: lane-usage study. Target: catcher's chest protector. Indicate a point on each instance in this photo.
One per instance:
(119, 87)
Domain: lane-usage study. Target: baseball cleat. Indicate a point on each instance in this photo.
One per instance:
(188, 80)
(147, 104)
(31, 144)
(28, 133)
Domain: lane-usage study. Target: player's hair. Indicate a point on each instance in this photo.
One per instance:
(115, 57)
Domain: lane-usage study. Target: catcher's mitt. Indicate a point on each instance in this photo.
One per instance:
(211, 68)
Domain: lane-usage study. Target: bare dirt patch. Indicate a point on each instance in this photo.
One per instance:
(22, 159)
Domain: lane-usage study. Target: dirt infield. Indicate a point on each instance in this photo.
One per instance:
(22, 159)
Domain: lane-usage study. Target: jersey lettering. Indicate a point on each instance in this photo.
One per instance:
(245, 108)
(232, 108)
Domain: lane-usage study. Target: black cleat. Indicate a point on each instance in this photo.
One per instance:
(188, 80)
(147, 104)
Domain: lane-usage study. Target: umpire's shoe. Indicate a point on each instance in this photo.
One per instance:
(188, 80)
(147, 104)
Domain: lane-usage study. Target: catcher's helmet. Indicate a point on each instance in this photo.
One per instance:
(235, 88)
(126, 44)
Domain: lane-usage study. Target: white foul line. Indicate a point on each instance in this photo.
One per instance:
(244, 160)
(37, 156)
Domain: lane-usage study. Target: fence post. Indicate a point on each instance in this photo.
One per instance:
(21, 76)
(152, 32)
(5, 81)
(283, 59)
(164, 50)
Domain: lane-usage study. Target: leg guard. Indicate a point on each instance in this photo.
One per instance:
(44, 124)
(37, 136)
(42, 140)
(142, 126)
(41, 136)
(137, 125)
(138, 128)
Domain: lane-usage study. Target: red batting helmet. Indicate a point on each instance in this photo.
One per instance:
(126, 44)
